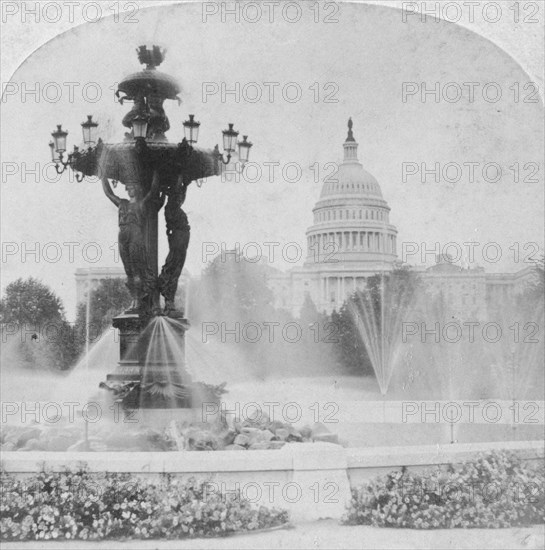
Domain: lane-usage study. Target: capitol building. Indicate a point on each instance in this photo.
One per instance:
(352, 239)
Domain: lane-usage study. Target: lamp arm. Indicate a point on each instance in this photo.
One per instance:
(219, 155)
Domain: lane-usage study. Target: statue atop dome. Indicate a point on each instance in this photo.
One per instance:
(350, 145)
(350, 136)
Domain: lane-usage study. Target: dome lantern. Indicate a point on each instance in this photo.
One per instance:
(350, 145)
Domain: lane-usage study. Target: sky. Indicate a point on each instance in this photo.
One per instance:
(354, 67)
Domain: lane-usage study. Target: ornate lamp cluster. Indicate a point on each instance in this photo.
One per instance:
(140, 132)
(58, 146)
(145, 147)
(229, 140)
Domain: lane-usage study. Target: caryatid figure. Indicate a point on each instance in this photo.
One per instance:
(178, 240)
(132, 240)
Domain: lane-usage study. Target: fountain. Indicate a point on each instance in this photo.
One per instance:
(378, 312)
(152, 371)
(423, 353)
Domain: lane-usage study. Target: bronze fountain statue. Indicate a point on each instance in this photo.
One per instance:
(132, 242)
(153, 172)
(178, 240)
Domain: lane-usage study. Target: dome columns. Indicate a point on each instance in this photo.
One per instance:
(325, 245)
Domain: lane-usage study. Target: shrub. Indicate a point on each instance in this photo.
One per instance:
(495, 490)
(77, 505)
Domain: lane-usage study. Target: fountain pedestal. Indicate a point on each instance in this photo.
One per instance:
(159, 370)
(131, 352)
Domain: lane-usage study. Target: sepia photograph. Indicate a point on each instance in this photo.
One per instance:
(272, 274)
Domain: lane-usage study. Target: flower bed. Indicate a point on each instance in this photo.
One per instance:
(495, 490)
(78, 505)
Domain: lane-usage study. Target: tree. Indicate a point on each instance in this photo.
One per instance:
(33, 314)
(350, 346)
(309, 312)
(30, 302)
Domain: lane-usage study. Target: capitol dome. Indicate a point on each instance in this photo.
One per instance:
(350, 240)
(351, 179)
(351, 218)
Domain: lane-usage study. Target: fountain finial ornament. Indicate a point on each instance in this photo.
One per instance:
(151, 58)
(148, 89)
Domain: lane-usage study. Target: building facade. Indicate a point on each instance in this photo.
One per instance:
(471, 293)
